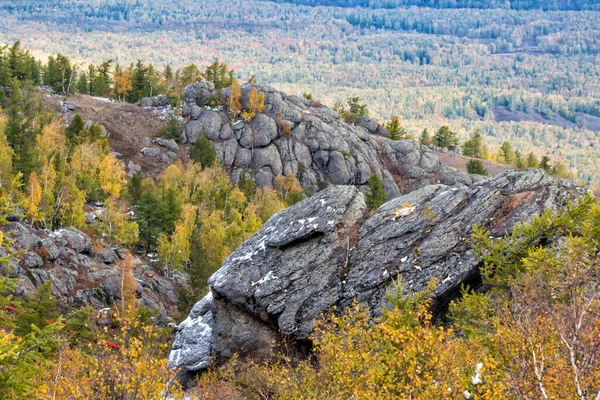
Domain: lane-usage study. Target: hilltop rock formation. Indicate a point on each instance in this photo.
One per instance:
(81, 274)
(327, 251)
(299, 136)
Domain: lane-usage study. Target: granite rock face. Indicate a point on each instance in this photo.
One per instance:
(326, 251)
(297, 136)
(81, 275)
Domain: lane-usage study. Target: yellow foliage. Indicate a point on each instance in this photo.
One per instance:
(6, 155)
(114, 223)
(52, 142)
(70, 204)
(35, 196)
(174, 250)
(85, 160)
(235, 97)
(267, 203)
(112, 176)
(137, 369)
(256, 103)
(122, 85)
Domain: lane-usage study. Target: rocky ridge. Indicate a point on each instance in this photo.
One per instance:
(299, 136)
(327, 251)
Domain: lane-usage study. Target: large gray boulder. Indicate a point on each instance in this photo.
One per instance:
(207, 124)
(325, 251)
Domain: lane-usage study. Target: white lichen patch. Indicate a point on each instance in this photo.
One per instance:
(269, 276)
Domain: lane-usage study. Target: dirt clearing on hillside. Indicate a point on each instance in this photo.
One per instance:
(130, 127)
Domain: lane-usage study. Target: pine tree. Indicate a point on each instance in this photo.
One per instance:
(83, 85)
(135, 188)
(149, 219)
(425, 139)
(91, 80)
(170, 210)
(15, 125)
(103, 79)
(532, 161)
(75, 130)
(173, 128)
(444, 137)
(168, 72)
(190, 74)
(203, 152)
(52, 76)
(474, 147)
(139, 82)
(395, 129)
(475, 166)
(519, 162)
(376, 195)
(507, 153)
(246, 184)
(545, 164)
(38, 309)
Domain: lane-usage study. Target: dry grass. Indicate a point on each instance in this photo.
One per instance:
(460, 162)
(126, 123)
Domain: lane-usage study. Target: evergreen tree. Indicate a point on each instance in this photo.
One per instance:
(38, 309)
(444, 137)
(168, 72)
(52, 76)
(203, 152)
(351, 110)
(218, 74)
(149, 219)
(376, 195)
(475, 146)
(15, 125)
(190, 74)
(103, 79)
(83, 85)
(173, 128)
(519, 162)
(532, 161)
(395, 129)
(475, 166)
(246, 184)
(545, 164)
(425, 139)
(171, 208)
(135, 188)
(506, 153)
(139, 82)
(75, 130)
(66, 74)
(91, 80)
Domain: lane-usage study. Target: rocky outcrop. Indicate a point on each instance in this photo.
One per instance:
(299, 136)
(324, 251)
(81, 274)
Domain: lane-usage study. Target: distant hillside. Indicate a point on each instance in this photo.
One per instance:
(429, 66)
(550, 5)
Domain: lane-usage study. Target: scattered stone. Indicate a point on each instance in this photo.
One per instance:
(150, 151)
(168, 143)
